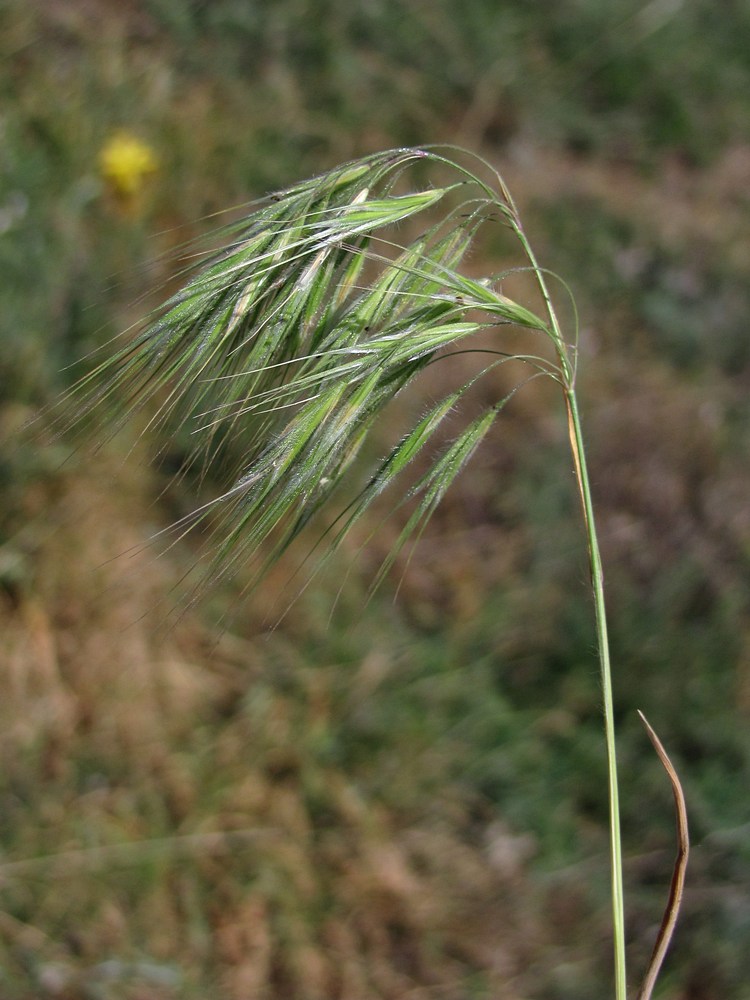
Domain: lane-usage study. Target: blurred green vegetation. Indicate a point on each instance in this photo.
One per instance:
(434, 762)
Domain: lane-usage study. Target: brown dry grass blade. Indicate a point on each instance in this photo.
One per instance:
(672, 910)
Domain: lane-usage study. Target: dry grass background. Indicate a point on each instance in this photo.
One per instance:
(169, 802)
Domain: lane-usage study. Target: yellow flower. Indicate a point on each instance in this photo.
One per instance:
(125, 162)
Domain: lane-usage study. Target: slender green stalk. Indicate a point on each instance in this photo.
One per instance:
(597, 587)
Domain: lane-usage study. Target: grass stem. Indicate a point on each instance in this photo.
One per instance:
(597, 586)
(567, 368)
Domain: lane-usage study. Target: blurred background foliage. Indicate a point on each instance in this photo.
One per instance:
(400, 798)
